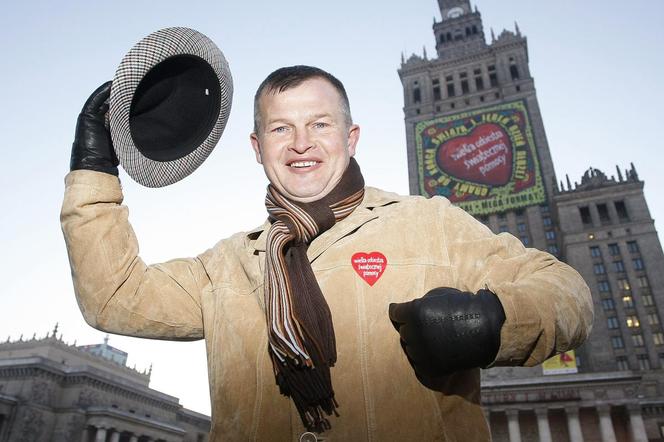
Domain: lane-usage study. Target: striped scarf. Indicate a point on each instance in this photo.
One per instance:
(300, 331)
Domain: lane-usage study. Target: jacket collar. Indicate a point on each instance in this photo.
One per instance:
(361, 215)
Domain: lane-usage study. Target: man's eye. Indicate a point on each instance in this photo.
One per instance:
(320, 125)
(280, 129)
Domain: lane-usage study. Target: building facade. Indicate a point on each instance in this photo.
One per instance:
(51, 391)
(475, 135)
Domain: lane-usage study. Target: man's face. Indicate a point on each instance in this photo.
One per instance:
(304, 142)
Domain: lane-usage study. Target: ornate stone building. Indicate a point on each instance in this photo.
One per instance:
(51, 391)
(475, 135)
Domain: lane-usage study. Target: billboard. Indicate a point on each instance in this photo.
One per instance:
(563, 363)
(484, 160)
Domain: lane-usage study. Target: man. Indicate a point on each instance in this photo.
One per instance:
(299, 314)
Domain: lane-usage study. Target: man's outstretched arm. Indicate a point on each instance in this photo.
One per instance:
(116, 291)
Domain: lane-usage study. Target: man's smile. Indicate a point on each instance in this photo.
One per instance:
(301, 166)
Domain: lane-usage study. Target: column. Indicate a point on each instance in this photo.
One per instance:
(115, 437)
(573, 424)
(636, 424)
(543, 424)
(487, 418)
(101, 435)
(86, 434)
(605, 424)
(513, 425)
(133, 438)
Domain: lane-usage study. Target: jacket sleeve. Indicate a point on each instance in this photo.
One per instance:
(548, 306)
(116, 291)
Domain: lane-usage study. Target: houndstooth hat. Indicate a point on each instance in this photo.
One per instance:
(170, 101)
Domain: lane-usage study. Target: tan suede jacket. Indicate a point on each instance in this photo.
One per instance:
(218, 296)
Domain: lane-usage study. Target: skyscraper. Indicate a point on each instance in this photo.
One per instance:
(475, 135)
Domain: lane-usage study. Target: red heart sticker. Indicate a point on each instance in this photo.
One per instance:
(370, 266)
(484, 156)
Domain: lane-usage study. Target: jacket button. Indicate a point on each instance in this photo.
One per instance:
(308, 437)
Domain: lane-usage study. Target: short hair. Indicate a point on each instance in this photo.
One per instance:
(292, 76)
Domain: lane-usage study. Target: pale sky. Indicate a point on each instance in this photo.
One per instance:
(598, 72)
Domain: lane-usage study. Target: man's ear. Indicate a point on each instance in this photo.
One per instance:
(256, 145)
(353, 138)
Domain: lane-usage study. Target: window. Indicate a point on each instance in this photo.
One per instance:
(585, 216)
(614, 249)
(653, 319)
(618, 266)
(647, 300)
(628, 301)
(521, 227)
(623, 284)
(632, 321)
(638, 264)
(417, 97)
(599, 269)
(479, 83)
(612, 322)
(643, 281)
(553, 249)
(637, 340)
(436, 89)
(633, 247)
(493, 78)
(514, 72)
(525, 240)
(622, 363)
(449, 81)
(661, 360)
(603, 214)
(658, 338)
(502, 216)
(621, 209)
(519, 213)
(608, 304)
(595, 252)
(503, 228)
(547, 221)
(617, 342)
(644, 362)
(550, 235)
(464, 87)
(604, 286)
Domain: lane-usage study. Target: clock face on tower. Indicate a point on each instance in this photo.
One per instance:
(455, 12)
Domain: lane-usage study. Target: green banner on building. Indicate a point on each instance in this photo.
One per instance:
(485, 160)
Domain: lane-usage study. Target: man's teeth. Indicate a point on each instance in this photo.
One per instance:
(303, 164)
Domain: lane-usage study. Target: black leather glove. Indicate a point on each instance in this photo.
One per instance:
(93, 148)
(448, 330)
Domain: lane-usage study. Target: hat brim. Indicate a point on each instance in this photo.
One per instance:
(170, 100)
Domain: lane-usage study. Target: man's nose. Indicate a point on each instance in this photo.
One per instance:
(302, 141)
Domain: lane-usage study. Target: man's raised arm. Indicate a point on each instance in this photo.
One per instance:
(116, 291)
